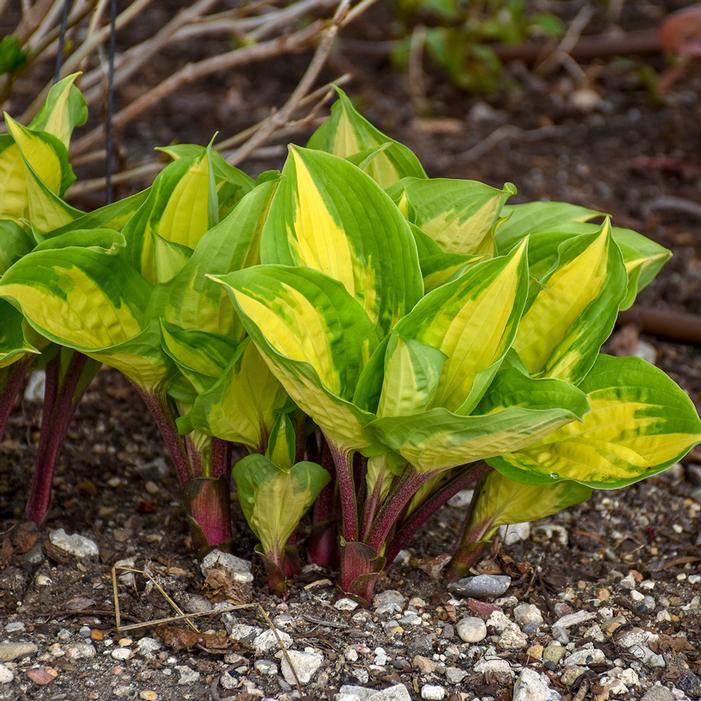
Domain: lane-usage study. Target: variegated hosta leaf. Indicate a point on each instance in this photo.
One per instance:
(438, 439)
(347, 133)
(91, 301)
(63, 110)
(44, 153)
(470, 323)
(111, 216)
(330, 216)
(575, 309)
(502, 502)
(274, 498)
(14, 243)
(302, 320)
(459, 215)
(191, 299)
(231, 183)
(180, 208)
(14, 344)
(643, 257)
(437, 266)
(282, 445)
(521, 220)
(242, 404)
(640, 423)
(200, 356)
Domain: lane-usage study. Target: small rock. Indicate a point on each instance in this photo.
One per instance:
(512, 639)
(241, 631)
(410, 618)
(553, 653)
(380, 657)
(424, 664)
(186, 675)
(471, 629)
(42, 676)
(14, 627)
(455, 675)
(482, 586)
(528, 614)
(346, 604)
(348, 692)
(6, 675)
(535, 652)
(268, 667)
(398, 692)
(530, 687)
(12, 651)
(432, 691)
(122, 653)
(658, 693)
(494, 667)
(147, 646)
(515, 533)
(238, 569)
(462, 499)
(41, 580)
(74, 544)
(34, 390)
(268, 641)
(586, 657)
(389, 601)
(148, 695)
(392, 627)
(574, 619)
(78, 651)
(306, 664)
(571, 674)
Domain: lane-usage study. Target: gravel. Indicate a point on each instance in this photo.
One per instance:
(75, 544)
(482, 586)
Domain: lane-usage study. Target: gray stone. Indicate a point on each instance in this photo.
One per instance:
(14, 627)
(398, 692)
(78, 651)
(122, 653)
(455, 675)
(482, 586)
(242, 631)
(147, 646)
(6, 675)
(265, 667)
(496, 666)
(462, 499)
(12, 651)
(432, 691)
(306, 664)
(268, 641)
(512, 639)
(346, 604)
(74, 544)
(186, 675)
(389, 601)
(238, 569)
(658, 693)
(553, 653)
(471, 629)
(528, 614)
(530, 687)
(586, 657)
(348, 692)
(571, 674)
(515, 533)
(574, 619)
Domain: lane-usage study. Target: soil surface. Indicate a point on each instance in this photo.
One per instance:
(627, 564)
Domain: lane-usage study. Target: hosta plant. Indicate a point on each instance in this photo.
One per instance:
(360, 342)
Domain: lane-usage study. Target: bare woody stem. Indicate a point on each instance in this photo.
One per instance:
(409, 528)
